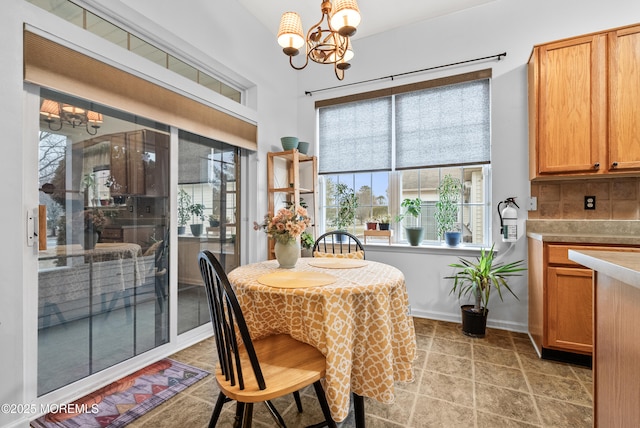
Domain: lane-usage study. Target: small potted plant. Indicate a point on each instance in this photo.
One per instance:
(446, 215)
(347, 205)
(476, 279)
(372, 223)
(213, 221)
(184, 201)
(384, 221)
(91, 190)
(412, 210)
(196, 210)
(306, 242)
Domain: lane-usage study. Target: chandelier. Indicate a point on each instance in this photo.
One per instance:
(327, 42)
(59, 114)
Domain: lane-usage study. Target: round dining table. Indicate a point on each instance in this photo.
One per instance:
(356, 312)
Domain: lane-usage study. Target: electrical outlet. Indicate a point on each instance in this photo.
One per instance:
(589, 202)
(533, 204)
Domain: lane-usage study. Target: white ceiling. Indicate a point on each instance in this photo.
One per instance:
(377, 15)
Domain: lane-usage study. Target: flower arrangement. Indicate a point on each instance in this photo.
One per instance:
(286, 225)
(95, 219)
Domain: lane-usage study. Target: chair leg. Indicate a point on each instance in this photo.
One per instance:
(358, 408)
(296, 396)
(240, 407)
(217, 409)
(247, 416)
(324, 405)
(275, 414)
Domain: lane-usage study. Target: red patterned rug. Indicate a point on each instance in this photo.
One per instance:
(125, 400)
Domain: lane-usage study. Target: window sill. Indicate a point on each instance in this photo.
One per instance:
(462, 249)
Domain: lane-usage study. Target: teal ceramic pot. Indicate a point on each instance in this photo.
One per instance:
(289, 143)
(303, 147)
(414, 235)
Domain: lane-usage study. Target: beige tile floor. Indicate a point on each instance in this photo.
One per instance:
(497, 381)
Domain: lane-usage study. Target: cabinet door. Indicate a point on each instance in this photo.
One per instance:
(624, 99)
(135, 163)
(570, 309)
(119, 165)
(572, 112)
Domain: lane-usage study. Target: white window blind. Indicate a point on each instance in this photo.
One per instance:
(443, 126)
(355, 136)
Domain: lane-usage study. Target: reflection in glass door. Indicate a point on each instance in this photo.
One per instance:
(103, 271)
(208, 180)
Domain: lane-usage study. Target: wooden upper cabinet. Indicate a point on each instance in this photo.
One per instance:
(624, 99)
(139, 163)
(584, 105)
(571, 106)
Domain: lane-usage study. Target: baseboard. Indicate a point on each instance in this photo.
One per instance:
(567, 357)
(497, 324)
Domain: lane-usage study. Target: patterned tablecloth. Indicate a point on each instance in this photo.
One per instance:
(106, 260)
(360, 323)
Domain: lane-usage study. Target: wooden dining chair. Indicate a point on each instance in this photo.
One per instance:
(338, 244)
(252, 371)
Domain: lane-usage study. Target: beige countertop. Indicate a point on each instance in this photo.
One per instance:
(620, 265)
(609, 232)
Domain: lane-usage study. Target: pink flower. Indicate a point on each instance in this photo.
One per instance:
(286, 225)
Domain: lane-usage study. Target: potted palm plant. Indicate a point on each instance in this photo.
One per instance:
(347, 205)
(413, 228)
(446, 215)
(476, 279)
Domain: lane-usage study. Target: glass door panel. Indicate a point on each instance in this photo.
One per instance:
(207, 206)
(103, 271)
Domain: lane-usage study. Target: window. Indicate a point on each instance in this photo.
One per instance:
(390, 148)
(81, 17)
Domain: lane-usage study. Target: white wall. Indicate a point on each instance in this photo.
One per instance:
(222, 33)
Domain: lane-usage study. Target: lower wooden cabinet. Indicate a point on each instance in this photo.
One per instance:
(570, 309)
(561, 315)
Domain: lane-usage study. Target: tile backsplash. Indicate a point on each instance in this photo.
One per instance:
(616, 199)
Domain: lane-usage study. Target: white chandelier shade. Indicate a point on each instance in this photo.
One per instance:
(328, 41)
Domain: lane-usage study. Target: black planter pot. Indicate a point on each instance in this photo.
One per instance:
(474, 324)
(383, 226)
(340, 237)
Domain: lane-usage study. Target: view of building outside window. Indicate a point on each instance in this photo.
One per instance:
(375, 190)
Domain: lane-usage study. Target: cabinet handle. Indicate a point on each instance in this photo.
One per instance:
(596, 165)
(614, 165)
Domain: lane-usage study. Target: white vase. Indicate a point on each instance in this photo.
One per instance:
(287, 253)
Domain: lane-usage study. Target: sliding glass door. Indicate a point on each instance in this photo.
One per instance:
(103, 257)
